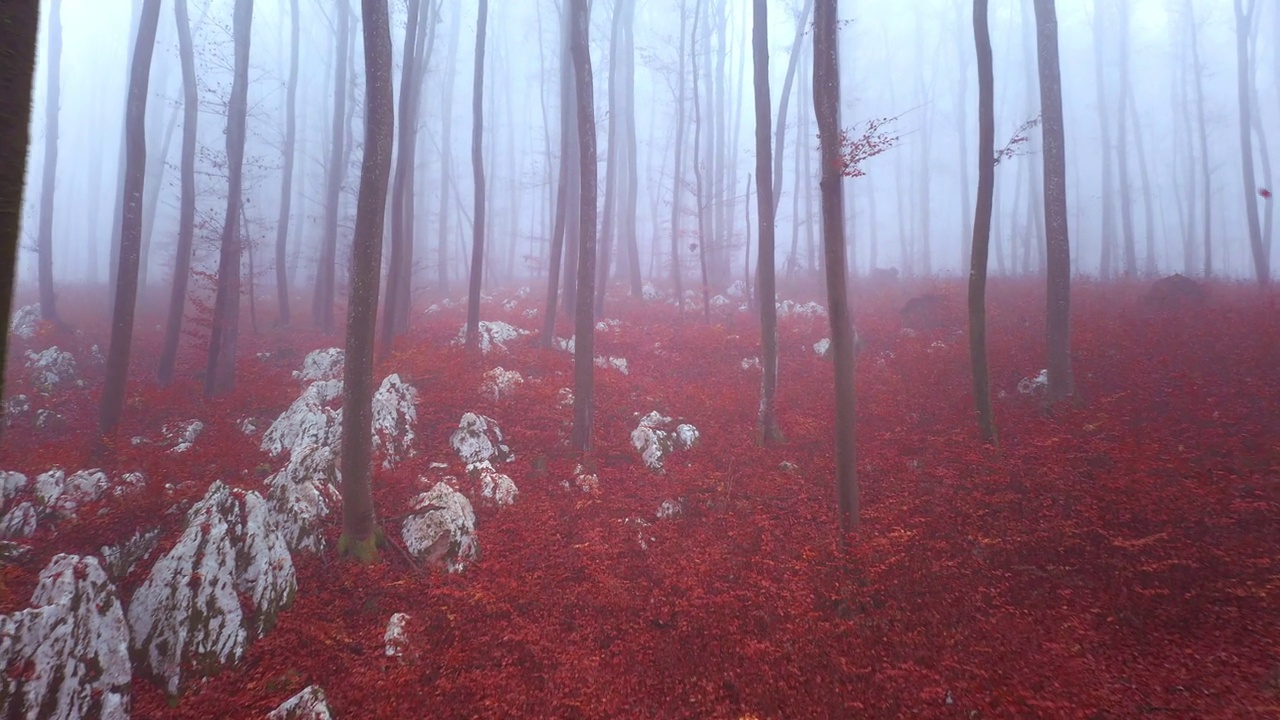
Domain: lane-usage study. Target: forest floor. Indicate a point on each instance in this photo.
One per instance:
(1118, 558)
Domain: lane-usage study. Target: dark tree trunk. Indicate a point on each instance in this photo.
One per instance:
(446, 153)
(114, 263)
(44, 237)
(584, 342)
(360, 532)
(563, 187)
(405, 155)
(323, 298)
(628, 226)
(780, 139)
(117, 371)
(477, 171)
(1122, 148)
(768, 431)
(1244, 22)
(424, 44)
(187, 198)
(1107, 236)
(1058, 246)
(982, 225)
(704, 230)
(19, 28)
(286, 180)
(676, 189)
(826, 106)
(613, 157)
(220, 373)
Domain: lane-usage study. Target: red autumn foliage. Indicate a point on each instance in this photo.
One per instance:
(1115, 559)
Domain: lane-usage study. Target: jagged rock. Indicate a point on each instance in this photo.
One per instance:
(120, 559)
(751, 363)
(310, 704)
(25, 322)
(671, 509)
(182, 434)
(20, 521)
(52, 369)
(10, 483)
(1034, 386)
(495, 486)
(394, 415)
(493, 335)
(312, 419)
(442, 528)
(396, 640)
(654, 439)
(822, 348)
(587, 482)
(188, 615)
(650, 293)
(303, 493)
(499, 383)
(617, 363)
(478, 439)
(67, 656)
(737, 290)
(63, 494)
(325, 364)
(787, 308)
(248, 426)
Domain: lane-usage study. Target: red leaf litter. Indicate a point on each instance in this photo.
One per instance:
(1264, 193)
(1117, 558)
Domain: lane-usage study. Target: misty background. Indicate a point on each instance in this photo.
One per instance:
(910, 61)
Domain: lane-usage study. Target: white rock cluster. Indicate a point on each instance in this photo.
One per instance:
(25, 321)
(52, 369)
(478, 439)
(67, 656)
(396, 639)
(650, 293)
(188, 615)
(655, 438)
(394, 415)
(493, 335)
(617, 363)
(442, 528)
(310, 704)
(499, 383)
(55, 494)
(302, 493)
(1034, 386)
(323, 364)
(788, 308)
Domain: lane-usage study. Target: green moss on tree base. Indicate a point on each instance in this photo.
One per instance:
(362, 551)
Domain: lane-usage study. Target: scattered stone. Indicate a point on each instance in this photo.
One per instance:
(650, 293)
(529, 313)
(1034, 386)
(310, 704)
(478, 439)
(182, 434)
(302, 494)
(248, 426)
(13, 552)
(25, 322)
(608, 325)
(925, 312)
(737, 290)
(788, 467)
(50, 420)
(751, 363)
(686, 436)
(641, 528)
(564, 397)
(654, 439)
(582, 480)
(1176, 292)
(442, 528)
(499, 383)
(70, 649)
(395, 641)
(122, 558)
(808, 310)
(509, 305)
(670, 509)
(563, 345)
(822, 348)
(394, 415)
(325, 364)
(20, 521)
(52, 369)
(17, 407)
(312, 419)
(617, 363)
(188, 614)
(493, 335)
(495, 486)
(720, 302)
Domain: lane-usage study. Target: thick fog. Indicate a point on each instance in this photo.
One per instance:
(910, 61)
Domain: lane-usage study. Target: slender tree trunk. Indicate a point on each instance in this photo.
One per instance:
(1107, 236)
(780, 137)
(446, 152)
(962, 146)
(982, 225)
(1058, 249)
(563, 188)
(1122, 148)
(424, 45)
(151, 200)
(1148, 209)
(187, 198)
(768, 431)
(628, 227)
(286, 179)
(704, 231)
(360, 532)
(117, 371)
(220, 374)
(248, 243)
(1206, 178)
(322, 302)
(405, 156)
(826, 106)
(1244, 21)
(613, 156)
(114, 263)
(676, 182)
(477, 171)
(584, 332)
(44, 237)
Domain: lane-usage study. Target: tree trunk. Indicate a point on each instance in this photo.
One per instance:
(584, 331)
(286, 180)
(117, 370)
(1244, 22)
(780, 138)
(1058, 247)
(768, 431)
(446, 152)
(563, 187)
(405, 156)
(44, 237)
(360, 532)
(1148, 209)
(676, 189)
(1206, 178)
(612, 159)
(220, 374)
(1122, 148)
(187, 199)
(982, 225)
(322, 302)
(151, 199)
(826, 106)
(962, 136)
(477, 172)
(1107, 236)
(704, 231)
(627, 229)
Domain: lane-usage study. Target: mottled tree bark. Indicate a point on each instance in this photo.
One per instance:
(286, 175)
(477, 173)
(982, 224)
(405, 155)
(768, 431)
(584, 320)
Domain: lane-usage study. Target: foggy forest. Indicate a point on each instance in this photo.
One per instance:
(728, 359)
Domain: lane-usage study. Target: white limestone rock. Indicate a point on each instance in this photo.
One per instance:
(302, 494)
(312, 419)
(587, 482)
(67, 656)
(16, 408)
(822, 348)
(182, 434)
(640, 527)
(20, 521)
(49, 420)
(396, 640)
(564, 398)
(120, 559)
(612, 324)
(25, 321)
(788, 308)
(686, 436)
(10, 483)
(751, 363)
(654, 439)
(324, 364)
(564, 345)
(737, 290)
(188, 615)
(496, 487)
(442, 528)
(478, 439)
(650, 293)
(493, 335)
(64, 494)
(1034, 386)
(617, 363)
(394, 415)
(310, 704)
(499, 383)
(52, 369)
(719, 302)
(670, 509)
